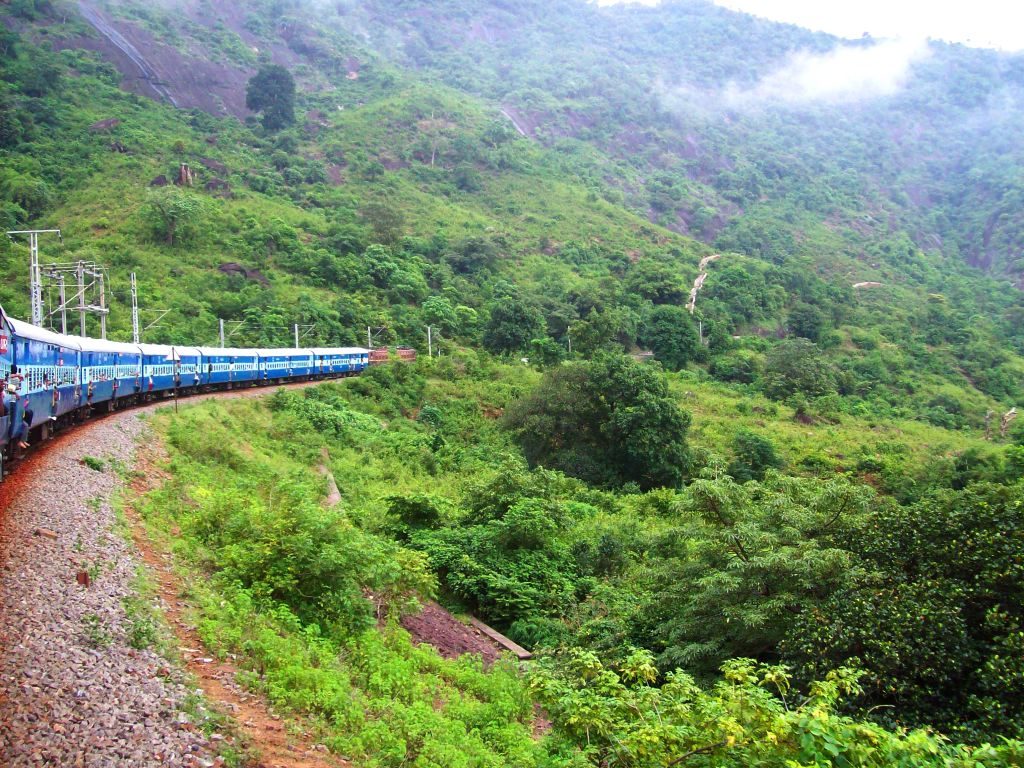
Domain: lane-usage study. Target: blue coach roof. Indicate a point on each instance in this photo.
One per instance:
(105, 345)
(226, 352)
(168, 352)
(284, 352)
(340, 351)
(27, 331)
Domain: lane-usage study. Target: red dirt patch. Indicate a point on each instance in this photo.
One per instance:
(437, 627)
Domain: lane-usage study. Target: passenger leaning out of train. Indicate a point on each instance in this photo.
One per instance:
(21, 415)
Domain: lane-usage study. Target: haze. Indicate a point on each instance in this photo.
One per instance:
(984, 23)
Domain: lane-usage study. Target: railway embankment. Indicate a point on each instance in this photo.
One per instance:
(77, 687)
(73, 689)
(81, 680)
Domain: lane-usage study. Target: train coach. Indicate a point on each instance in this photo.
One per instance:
(50, 380)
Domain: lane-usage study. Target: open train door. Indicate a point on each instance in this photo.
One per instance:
(6, 409)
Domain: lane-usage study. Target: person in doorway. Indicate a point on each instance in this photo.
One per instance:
(21, 414)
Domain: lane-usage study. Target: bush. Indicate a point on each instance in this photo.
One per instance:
(741, 366)
(754, 454)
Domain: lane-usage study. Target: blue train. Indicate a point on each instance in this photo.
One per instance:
(51, 380)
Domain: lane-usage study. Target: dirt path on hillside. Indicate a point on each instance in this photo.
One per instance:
(74, 691)
(276, 743)
(699, 282)
(157, 733)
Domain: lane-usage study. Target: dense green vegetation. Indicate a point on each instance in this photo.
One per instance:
(792, 540)
(664, 587)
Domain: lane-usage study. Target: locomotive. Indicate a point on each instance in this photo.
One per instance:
(51, 380)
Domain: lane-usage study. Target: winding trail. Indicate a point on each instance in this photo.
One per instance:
(515, 124)
(101, 25)
(699, 282)
(333, 494)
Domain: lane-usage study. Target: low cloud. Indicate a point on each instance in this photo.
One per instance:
(847, 73)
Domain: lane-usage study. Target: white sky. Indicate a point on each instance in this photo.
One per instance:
(981, 23)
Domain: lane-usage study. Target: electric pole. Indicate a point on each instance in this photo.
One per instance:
(35, 273)
(80, 275)
(222, 334)
(135, 312)
(296, 335)
(64, 305)
(103, 306)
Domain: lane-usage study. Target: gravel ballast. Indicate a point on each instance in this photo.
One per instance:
(72, 690)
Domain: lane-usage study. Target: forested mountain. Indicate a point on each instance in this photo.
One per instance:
(639, 123)
(820, 471)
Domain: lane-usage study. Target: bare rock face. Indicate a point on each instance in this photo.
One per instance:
(216, 166)
(159, 181)
(218, 187)
(186, 177)
(105, 126)
(231, 268)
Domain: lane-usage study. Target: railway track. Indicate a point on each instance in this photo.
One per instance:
(73, 689)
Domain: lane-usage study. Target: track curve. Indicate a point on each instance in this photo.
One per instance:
(74, 690)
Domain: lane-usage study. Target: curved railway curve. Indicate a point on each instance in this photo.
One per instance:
(73, 689)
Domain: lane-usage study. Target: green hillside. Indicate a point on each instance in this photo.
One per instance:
(815, 483)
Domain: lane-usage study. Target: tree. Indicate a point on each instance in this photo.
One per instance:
(387, 222)
(657, 281)
(11, 130)
(671, 335)
(506, 556)
(937, 617)
(8, 43)
(609, 421)
(797, 366)
(439, 313)
(31, 9)
(754, 455)
(173, 215)
(807, 321)
(472, 255)
(610, 328)
(513, 324)
(272, 92)
(743, 563)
